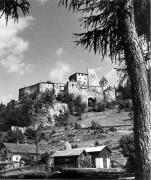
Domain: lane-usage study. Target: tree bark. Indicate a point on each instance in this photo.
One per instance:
(140, 93)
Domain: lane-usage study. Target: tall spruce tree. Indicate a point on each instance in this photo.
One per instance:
(12, 8)
(113, 27)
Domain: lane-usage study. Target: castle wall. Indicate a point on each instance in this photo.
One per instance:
(82, 78)
(77, 85)
(46, 86)
(85, 92)
(29, 90)
(59, 87)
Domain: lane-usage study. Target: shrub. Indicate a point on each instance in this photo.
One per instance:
(77, 126)
(110, 104)
(44, 157)
(125, 104)
(74, 146)
(60, 97)
(97, 142)
(53, 132)
(13, 137)
(113, 129)
(100, 107)
(38, 106)
(71, 107)
(42, 135)
(62, 119)
(96, 126)
(31, 133)
(127, 144)
(48, 97)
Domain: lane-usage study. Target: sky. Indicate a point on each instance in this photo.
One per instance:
(40, 47)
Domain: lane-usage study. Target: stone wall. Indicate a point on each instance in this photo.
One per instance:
(77, 85)
(85, 92)
(46, 86)
(29, 90)
(59, 87)
(82, 78)
(41, 87)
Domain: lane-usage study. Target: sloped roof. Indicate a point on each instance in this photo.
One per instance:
(20, 148)
(95, 149)
(78, 151)
(71, 152)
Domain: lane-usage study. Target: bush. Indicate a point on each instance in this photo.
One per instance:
(97, 142)
(42, 136)
(31, 134)
(44, 157)
(96, 126)
(127, 144)
(77, 126)
(71, 107)
(74, 146)
(75, 104)
(13, 137)
(38, 106)
(100, 107)
(62, 119)
(48, 97)
(113, 129)
(125, 104)
(110, 105)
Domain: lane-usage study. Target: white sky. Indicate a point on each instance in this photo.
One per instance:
(40, 48)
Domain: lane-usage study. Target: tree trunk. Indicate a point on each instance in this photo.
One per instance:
(140, 93)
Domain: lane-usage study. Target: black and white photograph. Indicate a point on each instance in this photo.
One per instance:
(75, 89)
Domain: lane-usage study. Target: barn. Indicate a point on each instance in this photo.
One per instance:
(100, 156)
(73, 158)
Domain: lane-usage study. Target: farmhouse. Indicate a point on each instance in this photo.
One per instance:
(12, 152)
(73, 158)
(94, 157)
(100, 156)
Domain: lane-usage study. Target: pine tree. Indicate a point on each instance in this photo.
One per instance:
(113, 27)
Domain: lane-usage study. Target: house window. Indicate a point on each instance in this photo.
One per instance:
(16, 158)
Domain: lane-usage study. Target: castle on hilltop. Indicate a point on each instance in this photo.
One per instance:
(85, 85)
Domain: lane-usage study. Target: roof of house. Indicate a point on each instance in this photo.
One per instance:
(95, 149)
(71, 152)
(78, 151)
(21, 148)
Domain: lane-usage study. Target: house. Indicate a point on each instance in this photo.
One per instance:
(100, 156)
(73, 158)
(13, 152)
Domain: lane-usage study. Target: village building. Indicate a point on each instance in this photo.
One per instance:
(100, 156)
(73, 158)
(13, 152)
(94, 157)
